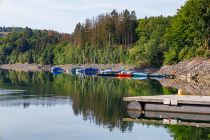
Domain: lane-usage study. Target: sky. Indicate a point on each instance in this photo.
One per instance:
(63, 15)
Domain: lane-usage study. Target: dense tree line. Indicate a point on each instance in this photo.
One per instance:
(30, 46)
(101, 40)
(116, 38)
(110, 29)
(172, 39)
(10, 29)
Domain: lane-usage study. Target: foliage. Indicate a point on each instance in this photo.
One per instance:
(189, 133)
(30, 46)
(189, 32)
(101, 40)
(110, 29)
(149, 49)
(116, 38)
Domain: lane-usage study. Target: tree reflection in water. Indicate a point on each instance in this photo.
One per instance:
(98, 100)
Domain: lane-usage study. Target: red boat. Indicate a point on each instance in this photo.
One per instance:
(123, 75)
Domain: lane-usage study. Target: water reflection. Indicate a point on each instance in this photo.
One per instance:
(98, 100)
(169, 118)
(6, 92)
(27, 101)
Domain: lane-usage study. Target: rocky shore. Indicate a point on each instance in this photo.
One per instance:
(192, 76)
(195, 69)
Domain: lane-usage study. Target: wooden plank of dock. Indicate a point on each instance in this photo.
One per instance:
(184, 108)
(172, 99)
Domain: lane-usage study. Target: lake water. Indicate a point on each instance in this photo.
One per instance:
(42, 106)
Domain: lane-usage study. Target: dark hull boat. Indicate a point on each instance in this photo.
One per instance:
(76, 70)
(107, 74)
(89, 71)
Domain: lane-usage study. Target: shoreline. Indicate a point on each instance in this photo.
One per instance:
(26, 67)
(196, 69)
(192, 76)
(40, 67)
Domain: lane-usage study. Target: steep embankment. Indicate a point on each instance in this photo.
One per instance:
(192, 76)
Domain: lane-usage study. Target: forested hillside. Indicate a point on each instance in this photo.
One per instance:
(116, 38)
(189, 32)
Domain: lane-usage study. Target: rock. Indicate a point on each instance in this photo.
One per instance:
(196, 69)
(192, 76)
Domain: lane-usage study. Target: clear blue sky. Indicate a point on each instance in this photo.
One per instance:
(62, 15)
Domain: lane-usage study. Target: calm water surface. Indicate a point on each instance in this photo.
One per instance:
(41, 106)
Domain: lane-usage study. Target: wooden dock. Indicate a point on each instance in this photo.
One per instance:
(169, 103)
(171, 99)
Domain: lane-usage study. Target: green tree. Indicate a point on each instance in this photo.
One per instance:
(189, 30)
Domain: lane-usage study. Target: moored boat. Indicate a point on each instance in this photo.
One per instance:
(139, 74)
(75, 70)
(107, 70)
(56, 70)
(89, 71)
(108, 74)
(124, 74)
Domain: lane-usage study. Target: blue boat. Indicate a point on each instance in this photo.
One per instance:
(89, 71)
(56, 70)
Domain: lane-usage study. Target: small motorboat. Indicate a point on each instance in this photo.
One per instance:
(139, 74)
(124, 74)
(76, 70)
(89, 71)
(107, 70)
(56, 70)
(108, 74)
